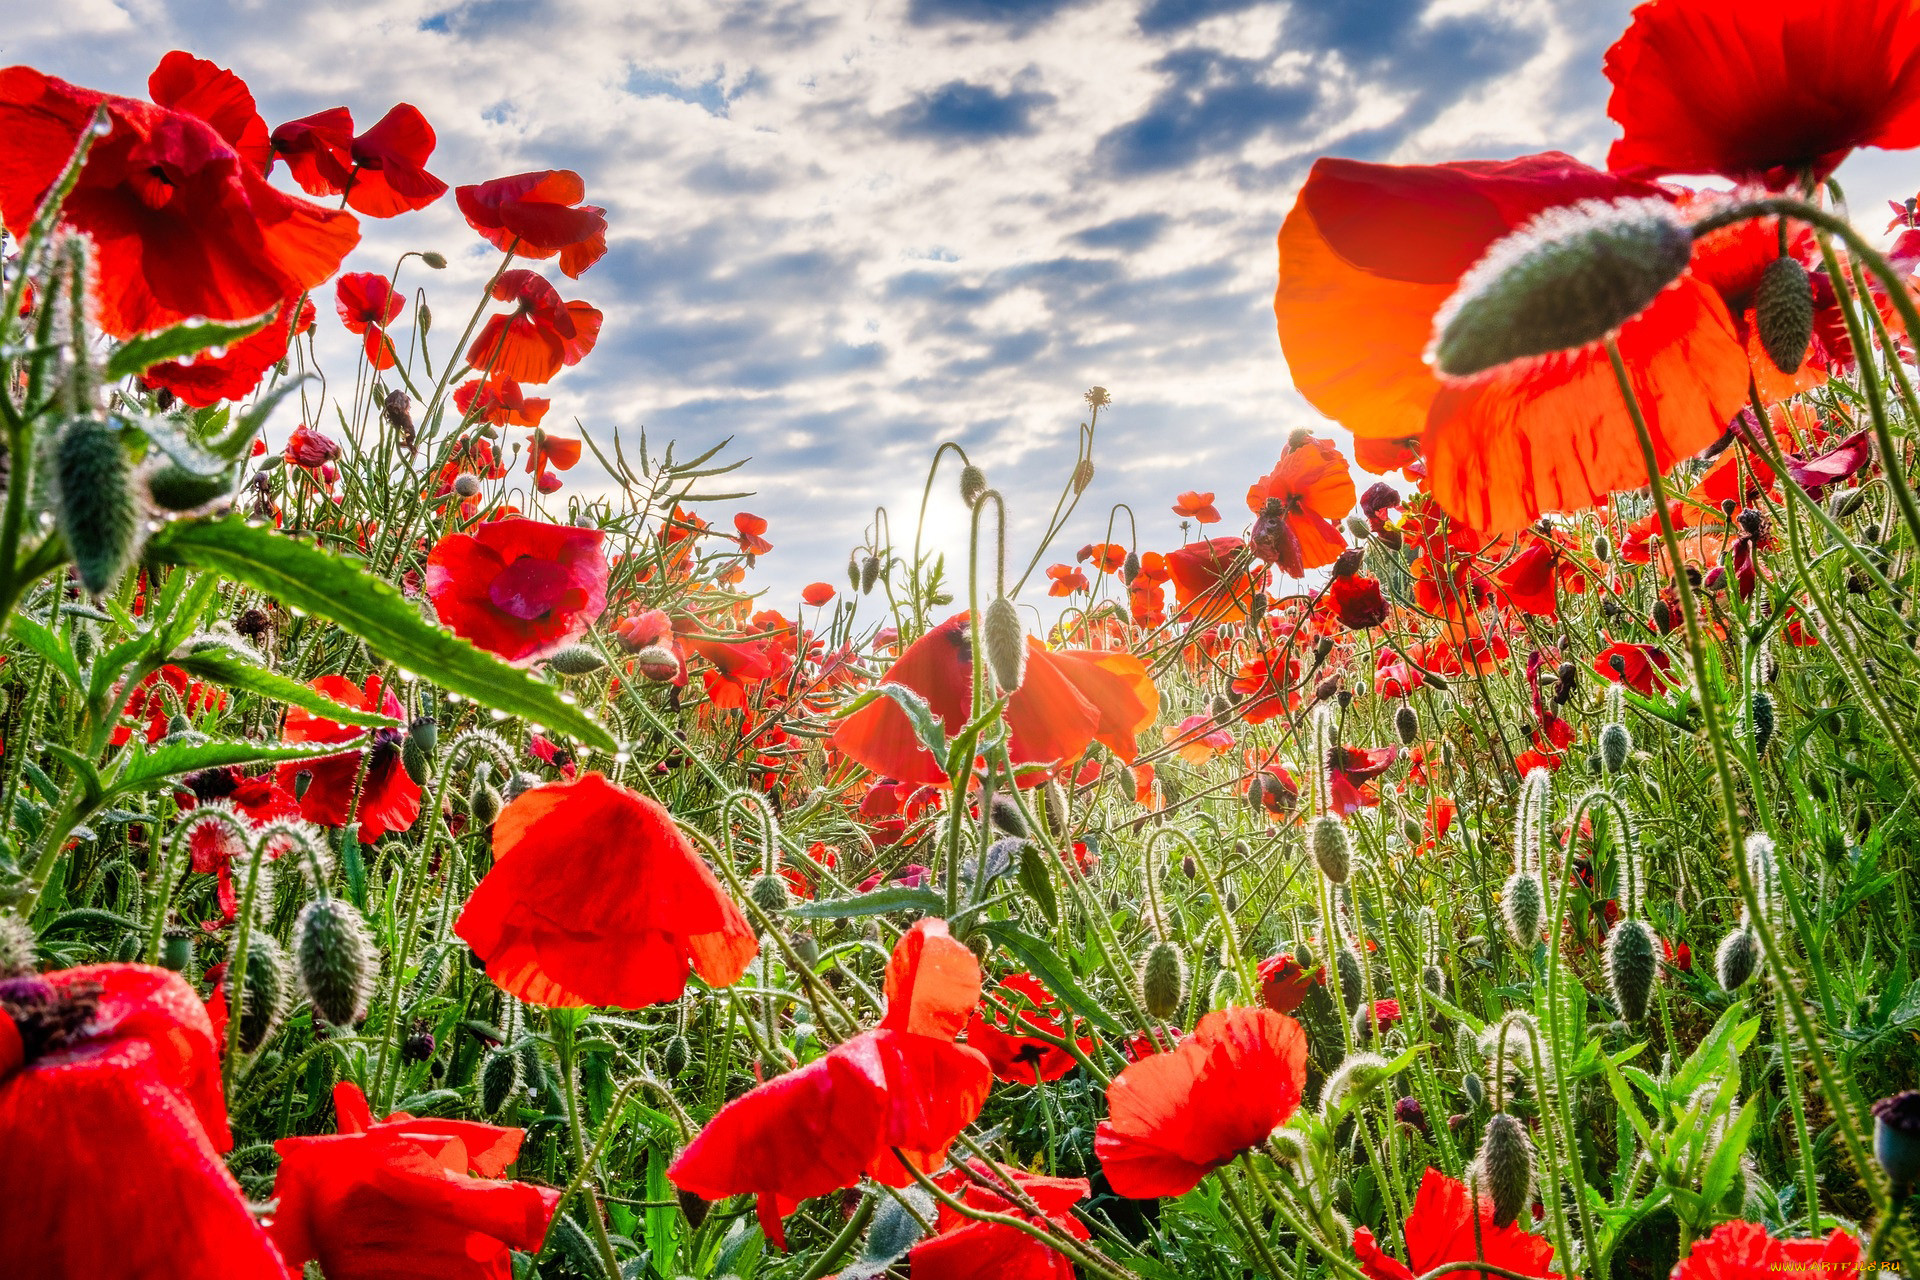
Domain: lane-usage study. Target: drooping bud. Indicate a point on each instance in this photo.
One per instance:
(1331, 849)
(1566, 279)
(1761, 721)
(1006, 643)
(1082, 475)
(337, 960)
(1631, 961)
(869, 574)
(438, 261)
(1054, 805)
(265, 1001)
(674, 1058)
(1738, 956)
(1783, 313)
(1353, 983)
(521, 783)
(1003, 811)
(1163, 977)
(1475, 1091)
(484, 802)
(1616, 744)
(467, 485)
(576, 660)
(1130, 567)
(657, 663)
(1504, 1171)
(1602, 548)
(94, 503)
(1521, 906)
(770, 894)
(1225, 990)
(1406, 723)
(1434, 979)
(499, 1081)
(973, 483)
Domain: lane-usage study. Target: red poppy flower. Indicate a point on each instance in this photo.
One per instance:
(596, 897)
(1176, 1116)
(1357, 602)
(1370, 252)
(540, 337)
(1268, 682)
(367, 304)
(1764, 91)
(111, 1114)
(389, 175)
(537, 215)
(519, 588)
(1048, 717)
(1279, 793)
(904, 1084)
(1744, 1251)
(1835, 466)
(1204, 582)
(197, 87)
(1295, 506)
(1533, 578)
(1441, 1229)
(389, 799)
(405, 1196)
(562, 453)
(208, 379)
(147, 703)
(964, 1248)
(318, 150)
(750, 528)
(499, 401)
(1108, 557)
(1641, 667)
(182, 223)
(309, 448)
(1284, 983)
(1197, 507)
(1018, 1058)
(1382, 456)
(1067, 580)
(817, 593)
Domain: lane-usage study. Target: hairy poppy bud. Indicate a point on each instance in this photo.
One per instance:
(1505, 1171)
(1003, 811)
(484, 803)
(1521, 906)
(1410, 828)
(1006, 643)
(1783, 313)
(19, 948)
(437, 261)
(1054, 806)
(1566, 279)
(1761, 721)
(869, 574)
(415, 761)
(173, 487)
(1737, 957)
(1475, 1091)
(1353, 982)
(499, 1081)
(657, 663)
(1616, 744)
(1406, 723)
(576, 660)
(522, 782)
(1130, 567)
(1219, 707)
(93, 501)
(337, 960)
(1359, 529)
(770, 894)
(1331, 850)
(806, 948)
(176, 949)
(1082, 475)
(1434, 979)
(1602, 548)
(1630, 964)
(973, 483)
(1224, 991)
(467, 485)
(1163, 976)
(853, 572)
(674, 1058)
(1896, 1137)
(265, 1002)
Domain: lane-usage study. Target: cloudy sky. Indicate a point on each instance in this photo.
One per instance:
(846, 230)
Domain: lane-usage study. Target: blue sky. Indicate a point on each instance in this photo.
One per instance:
(846, 230)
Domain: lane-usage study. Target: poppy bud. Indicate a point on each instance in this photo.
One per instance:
(337, 960)
(499, 1081)
(1344, 698)
(1353, 982)
(1220, 707)
(1225, 990)
(973, 483)
(1130, 567)
(1566, 279)
(176, 488)
(1003, 811)
(1406, 723)
(1303, 954)
(1331, 849)
(1410, 828)
(1054, 806)
(1762, 721)
(1434, 979)
(1662, 617)
(1521, 906)
(176, 949)
(466, 484)
(1602, 548)
(265, 1001)
(94, 502)
(657, 663)
(869, 574)
(178, 724)
(437, 261)
(415, 761)
(484, 803)
(1347, 563)
(1630, 952)
(1475, 1091)
(19, 948)
(1896, 1137)
(1737, 958)
(1783, 313)
(1505, 1172)
(770, 894)
(1163, 976)
(1257, 792)
(1006, 643)
(424, 732)
(521, 783)
(853, 572)
(1359, 528)
(397, 409)
(1082, 475)
(1616, 744)
(576, 660)
(674, 1058)
(1256, 608)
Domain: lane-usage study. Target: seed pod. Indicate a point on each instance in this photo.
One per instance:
(1762, 721)
(576, 660)
(1783, 313)
(1353, 983)
(425, 733)
(770, 894)
(1630, 964)
(973, 483)
(1406, 723)
(1616, 744)
(1505, 1169)
(94, 503)
(1331, 849)
(1521, 906)
(484, 803)
(265, 1002)
(674, 1058)
(176, 949)
(1006, 643)
(1003, 812)
(499, 1081)
(336, 958)
(414, 761)
(1896, 1138)
(1737, 958)
(1163, 977)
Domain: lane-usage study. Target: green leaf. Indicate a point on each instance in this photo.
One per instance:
(231, 669)
(1043, 960)
(330, 587)
(147, 770)
(1718, 1179)
(48, 647)
(1728, 1035)
(177, 343)
(878, 903)
(926, 725)
(1036, 879)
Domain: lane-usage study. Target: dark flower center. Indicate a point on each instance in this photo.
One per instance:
(153, 187)
(47, 1017)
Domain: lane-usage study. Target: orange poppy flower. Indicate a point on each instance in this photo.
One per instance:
(1197, 507)
(1204, 584)
(1119, 689)
(1370, 252)
(1744, 1251)
(1296, 504)
(750, 527)
(595, 897)
(539, 337)
(1067, 580)
(1382, 456)
(817, 593)
(1174, 1117)
(499, 401)
(1765, 90)
(1107, 556)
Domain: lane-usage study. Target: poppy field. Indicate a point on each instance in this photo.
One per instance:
(1488, 852)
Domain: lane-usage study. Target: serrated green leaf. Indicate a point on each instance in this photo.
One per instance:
(329, 587)
(177, 343)
(1043, 960)
(1718, 1179)
(926, 725)
(1037, 880)
(231, 670)
(147, 770)
(878, 903)
(48, 647)
(1728, 1034)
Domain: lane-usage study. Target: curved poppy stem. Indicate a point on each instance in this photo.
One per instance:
(561, 1022)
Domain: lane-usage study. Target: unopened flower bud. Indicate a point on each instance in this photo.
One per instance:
(337, 960)
(1353, 982)
(1896, 1138)
(1783, 313)
(1331, 849)
(674, 1058)
(869, 574)
(484, 803)
(1003, 811)
(1630, 962)
(1616, 744)
(435, 260)
(1163, 975)
(1504, 1171)
(466, 484)
(1082, 475)
(1006, 643)
(1737, 957)
(499, 1081)
(770, 894)
(265, 1001)
(576, 660)
(973, 483)
(1521, 906)
(1406, 723)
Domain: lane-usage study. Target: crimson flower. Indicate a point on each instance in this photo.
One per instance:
(1357, 601)
(1174, 1117)
(1296, 504)
(903, 1085)
(1197, 507)
(597, 897)
(750, 527)
(147, 703)
(1772, 91)
(208, 379)
(963, 1248)
(1536, 574)
(183, 224)
(197, 87)
(1744, 1251)
(389, 800)
(538, 215)
(318, 150)
(405, 1196)
(519, 588)
(309, 448)
(382, 172)
(1442, 1229)
(367, 304)
(539, 337)
(1284, 982)
(1816, 473)
(1641, 667)
(500, 401)
(112, 1116)
(1018, 1058)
